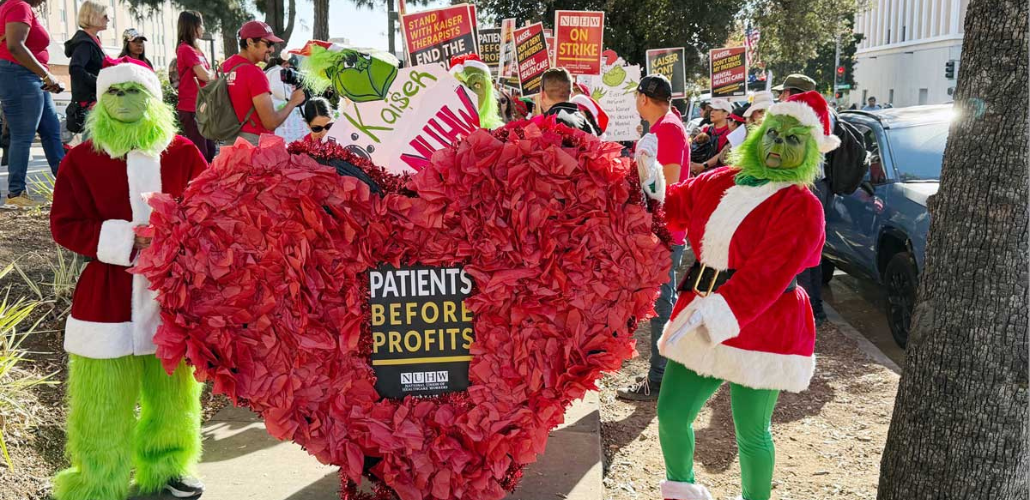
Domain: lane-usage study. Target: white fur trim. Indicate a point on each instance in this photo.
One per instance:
(675, 490)
(128, 72)
(828, 143)
(144, 173)
(115, 243)
(97, 340)
(798, 110)
(754, 369)
(736, 203)
(718, 318)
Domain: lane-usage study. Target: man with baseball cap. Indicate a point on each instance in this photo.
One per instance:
(794, 84)
(667, 143)
(249, 90)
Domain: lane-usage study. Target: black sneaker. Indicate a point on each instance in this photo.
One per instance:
(642, 390)
(185, 487)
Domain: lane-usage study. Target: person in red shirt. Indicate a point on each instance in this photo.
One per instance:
(25, 94)
(249, 90)
(194, 72)
(719, 131)
(654, 103)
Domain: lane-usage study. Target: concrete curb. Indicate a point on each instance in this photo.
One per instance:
(863, 343)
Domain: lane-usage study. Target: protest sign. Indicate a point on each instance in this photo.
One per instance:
(728, 72)
(490, 48)
(531, 52)
(421, 330)
(549, 40)
(435, 36)
(426, 109)
(670, 62)
(615, 91)
(508, 63)
(578, 36)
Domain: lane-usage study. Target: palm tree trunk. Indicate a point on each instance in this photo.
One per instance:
(320, 30)
(959, 429)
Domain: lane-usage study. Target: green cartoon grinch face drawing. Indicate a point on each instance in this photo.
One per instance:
(614, 77)
(359, 75)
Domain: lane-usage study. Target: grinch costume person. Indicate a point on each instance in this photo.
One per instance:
(473, 73)
(741, 318)
(99, 199)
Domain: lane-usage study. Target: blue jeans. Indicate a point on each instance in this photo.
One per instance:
(663, 309)
(28, 110)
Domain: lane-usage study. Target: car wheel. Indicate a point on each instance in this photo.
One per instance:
(828, 270)
(902, 280)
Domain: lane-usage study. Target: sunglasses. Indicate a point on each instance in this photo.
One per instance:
(269, 44)
(319, 128)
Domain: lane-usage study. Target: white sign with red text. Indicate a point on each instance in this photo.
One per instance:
(426, 109)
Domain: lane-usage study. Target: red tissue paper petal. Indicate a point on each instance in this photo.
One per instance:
(261, 269)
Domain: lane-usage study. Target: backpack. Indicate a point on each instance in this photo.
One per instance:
(702, 152)
(846, 166)
(216, 118)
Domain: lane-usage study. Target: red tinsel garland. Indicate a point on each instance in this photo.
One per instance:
(262, 272)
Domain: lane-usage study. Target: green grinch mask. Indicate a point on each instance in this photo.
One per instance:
(125, 102)
(128, 118)
(480, 83)
(780, 150)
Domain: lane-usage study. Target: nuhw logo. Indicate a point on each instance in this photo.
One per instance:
(423, 377)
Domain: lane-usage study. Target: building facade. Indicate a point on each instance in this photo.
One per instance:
(61, 19)
(904, 56)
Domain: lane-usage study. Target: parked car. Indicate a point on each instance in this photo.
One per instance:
(879, 232)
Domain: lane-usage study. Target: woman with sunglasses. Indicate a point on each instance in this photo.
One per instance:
(318, 115)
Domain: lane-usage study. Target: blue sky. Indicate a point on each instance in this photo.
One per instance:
(364, 28)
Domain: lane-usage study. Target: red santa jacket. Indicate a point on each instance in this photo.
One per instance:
(98, 201)
(757, 335)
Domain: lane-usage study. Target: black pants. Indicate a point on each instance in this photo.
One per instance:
(811, 280)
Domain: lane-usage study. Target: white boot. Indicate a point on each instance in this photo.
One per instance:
(673, 490)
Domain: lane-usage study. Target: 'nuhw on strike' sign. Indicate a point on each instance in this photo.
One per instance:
(421, 330)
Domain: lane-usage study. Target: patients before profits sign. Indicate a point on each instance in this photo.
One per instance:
(421, 330)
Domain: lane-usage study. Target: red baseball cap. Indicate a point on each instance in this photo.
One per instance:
(258, 29)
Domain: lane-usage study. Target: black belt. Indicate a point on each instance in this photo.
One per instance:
(704, 280)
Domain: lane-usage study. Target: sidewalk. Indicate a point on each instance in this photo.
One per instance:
(241, 461)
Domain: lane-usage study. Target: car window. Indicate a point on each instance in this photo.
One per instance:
(877, 173)
(918, 151)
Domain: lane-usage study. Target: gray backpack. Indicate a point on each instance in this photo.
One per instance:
(216, 118)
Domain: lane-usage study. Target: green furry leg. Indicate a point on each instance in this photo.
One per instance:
(101, 403)
(167, 441)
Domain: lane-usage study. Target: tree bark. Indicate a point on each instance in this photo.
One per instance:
(959, 429)
(320, 30)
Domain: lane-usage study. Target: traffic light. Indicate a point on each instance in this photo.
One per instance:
(838, 95)
(840, 71)
(949, 70)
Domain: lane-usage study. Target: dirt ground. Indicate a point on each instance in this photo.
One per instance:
(39, 452)
(828, 438)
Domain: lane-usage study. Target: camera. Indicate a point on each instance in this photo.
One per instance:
(290, 76)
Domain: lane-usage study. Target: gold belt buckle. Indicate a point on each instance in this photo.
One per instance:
(711, 285)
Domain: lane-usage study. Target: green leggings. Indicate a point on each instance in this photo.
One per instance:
(106, 439)
(682, 396)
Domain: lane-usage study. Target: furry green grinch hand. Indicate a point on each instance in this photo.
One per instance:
(473, 73)
(740, 317)
(99, 203)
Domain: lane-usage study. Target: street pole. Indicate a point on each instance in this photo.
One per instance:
(836, 64)
(390, 37)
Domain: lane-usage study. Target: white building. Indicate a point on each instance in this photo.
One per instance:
(906, 47)
(60, 18)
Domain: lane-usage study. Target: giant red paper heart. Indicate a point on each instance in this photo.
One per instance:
(262, 270)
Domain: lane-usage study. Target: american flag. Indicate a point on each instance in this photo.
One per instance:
(751, 37)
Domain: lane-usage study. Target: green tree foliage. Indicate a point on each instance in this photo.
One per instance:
(795, 31)
(220, 16)
(821, 67)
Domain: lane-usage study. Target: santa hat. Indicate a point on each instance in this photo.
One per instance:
(124, 70)
(459, 63)
(587, 103)
(812, 111)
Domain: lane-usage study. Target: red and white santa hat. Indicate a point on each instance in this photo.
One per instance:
(812, 111)
(124, 70)
(459, 63)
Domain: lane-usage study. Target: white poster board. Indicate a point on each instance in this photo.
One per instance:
(426, 109)
(615, 90)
